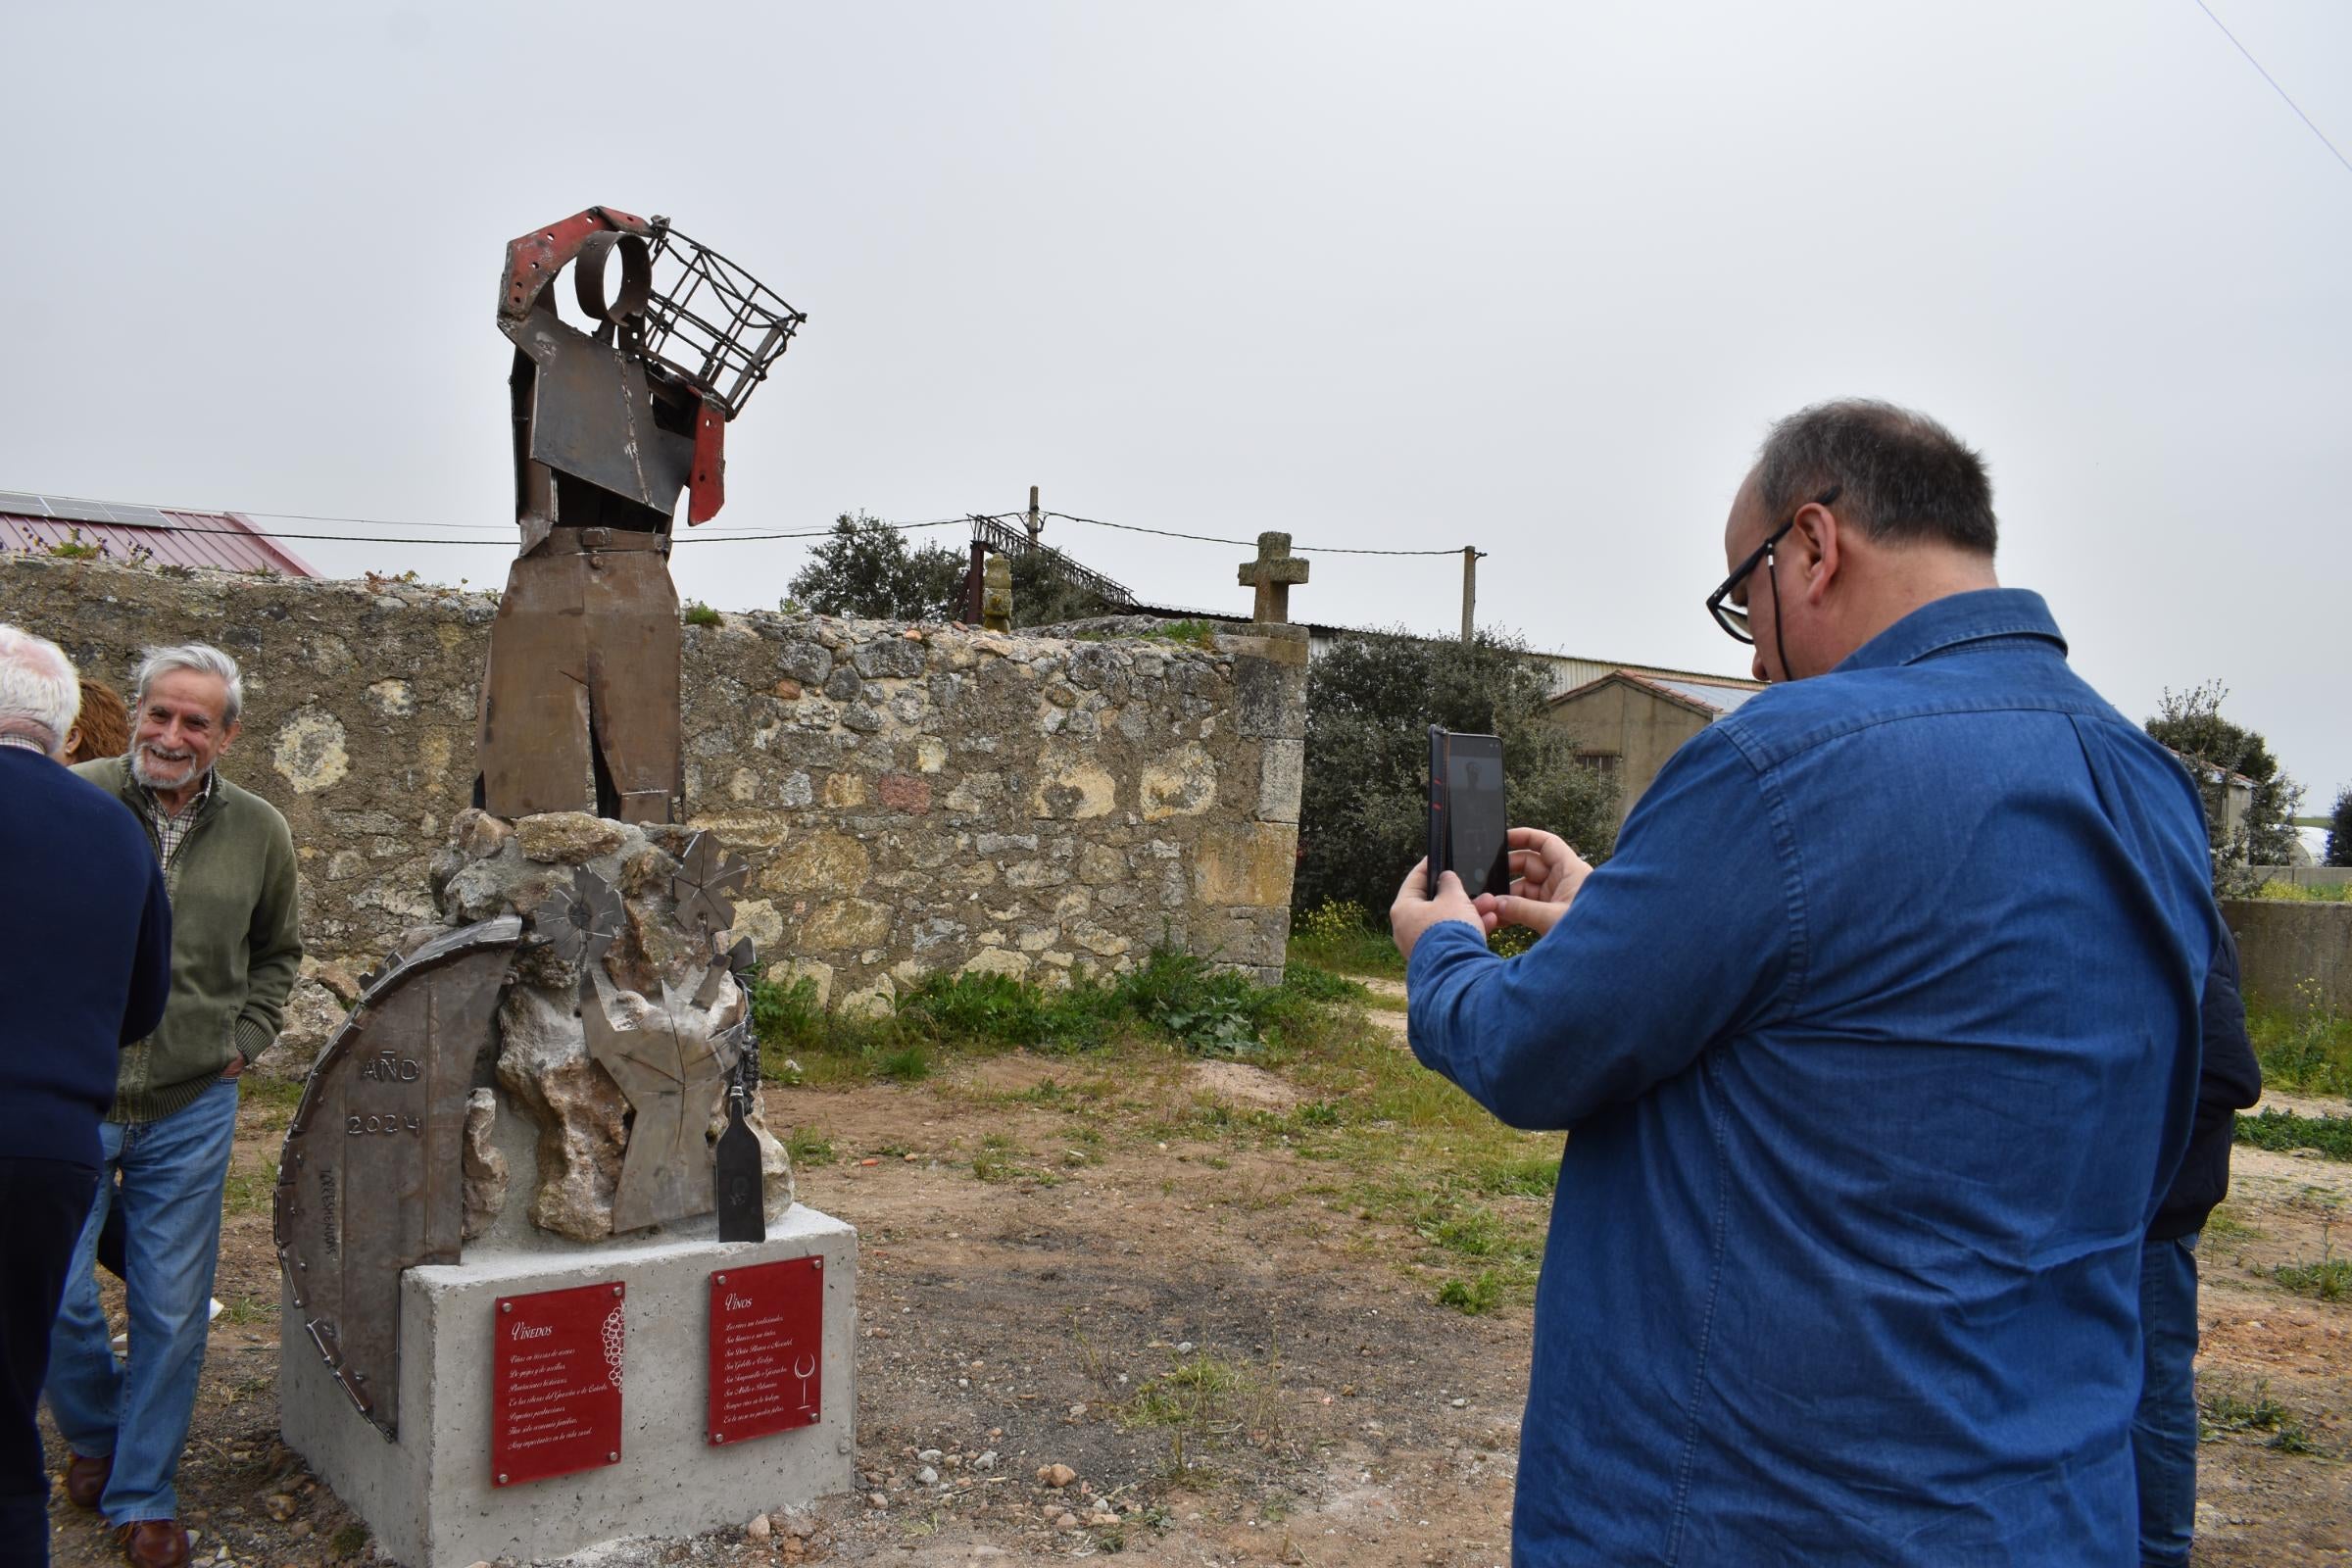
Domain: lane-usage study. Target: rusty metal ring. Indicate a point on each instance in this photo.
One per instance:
(636, 276)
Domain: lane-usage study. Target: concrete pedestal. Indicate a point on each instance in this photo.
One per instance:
(429, 1497)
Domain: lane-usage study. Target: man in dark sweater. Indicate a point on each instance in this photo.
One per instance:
(2164, 1433)
(228, 865)
(85, 962)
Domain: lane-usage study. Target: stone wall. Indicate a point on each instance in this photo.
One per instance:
(2286, 948)
(912, 798)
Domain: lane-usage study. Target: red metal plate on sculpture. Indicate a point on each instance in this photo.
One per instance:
(554, 1400)
(766, 1349)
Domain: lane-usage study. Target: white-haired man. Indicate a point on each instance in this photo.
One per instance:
(85, 961)
(229, 862)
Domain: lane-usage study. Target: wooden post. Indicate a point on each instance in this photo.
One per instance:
(971, 584)
(1469, 592)
(1037, 523)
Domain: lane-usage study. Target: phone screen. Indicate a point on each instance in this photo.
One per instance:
(1468, 827)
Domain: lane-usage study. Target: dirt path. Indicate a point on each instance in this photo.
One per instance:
(1115, 1267)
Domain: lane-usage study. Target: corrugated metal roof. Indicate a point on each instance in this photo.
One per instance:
(225, 540)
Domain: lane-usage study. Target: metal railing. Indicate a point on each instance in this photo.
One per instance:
(1011, 541)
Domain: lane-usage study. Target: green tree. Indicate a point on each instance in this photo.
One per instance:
(1043, 597)
(1370, 699)
(865, 567)
(2212, 747)
(2340, 829)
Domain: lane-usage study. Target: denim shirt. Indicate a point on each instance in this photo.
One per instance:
(1877, 1042)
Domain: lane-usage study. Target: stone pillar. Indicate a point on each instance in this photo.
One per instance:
(1244, 870)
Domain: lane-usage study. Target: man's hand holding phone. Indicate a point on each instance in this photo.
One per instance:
(1415, 911)
(1545, 874)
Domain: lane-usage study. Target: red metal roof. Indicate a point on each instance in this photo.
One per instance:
(226, 540)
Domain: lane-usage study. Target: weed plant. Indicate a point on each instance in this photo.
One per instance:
(2220, 1411)
(1172, 997)
(2306, 893)
(1339, 935)
(2330, 1279)
(2332, 1136)
(251, 1191)
(2306, 1045)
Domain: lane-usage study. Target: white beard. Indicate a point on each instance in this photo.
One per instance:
(148, 778)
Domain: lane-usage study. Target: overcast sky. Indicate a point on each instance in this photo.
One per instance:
(1533, 278)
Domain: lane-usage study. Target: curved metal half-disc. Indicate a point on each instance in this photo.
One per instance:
(370, 1181)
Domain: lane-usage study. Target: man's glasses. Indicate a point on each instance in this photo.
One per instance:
(1733, 618)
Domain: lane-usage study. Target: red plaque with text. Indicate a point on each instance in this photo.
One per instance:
(554, 1389)
(767, 1358)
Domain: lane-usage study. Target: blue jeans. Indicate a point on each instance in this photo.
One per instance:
(173, 1172)
(2164, 1431)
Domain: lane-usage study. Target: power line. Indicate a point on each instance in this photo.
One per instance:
(2274, 87)
(1247, 544)
(502, 538)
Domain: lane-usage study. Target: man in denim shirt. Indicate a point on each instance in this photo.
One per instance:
(1878, 1039)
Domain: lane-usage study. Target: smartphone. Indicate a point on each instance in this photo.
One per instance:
(1468, 833)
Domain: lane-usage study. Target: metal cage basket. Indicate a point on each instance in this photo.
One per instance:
(711, 321)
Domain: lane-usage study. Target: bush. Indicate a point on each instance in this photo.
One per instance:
(1174, 996)
(2339, 828)
(1370, 699)
(2331, 1136)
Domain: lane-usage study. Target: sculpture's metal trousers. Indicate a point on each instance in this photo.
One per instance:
(580, 698)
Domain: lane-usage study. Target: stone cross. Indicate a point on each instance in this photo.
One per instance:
(1272, 573)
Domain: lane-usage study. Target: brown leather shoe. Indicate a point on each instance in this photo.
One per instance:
(155, 1544)
(85, 1479)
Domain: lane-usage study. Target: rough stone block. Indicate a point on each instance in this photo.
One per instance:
(845, 923)
(1247, 863)
(1184, 784)
(1071, 788)
(566, 838)
(1281, 778)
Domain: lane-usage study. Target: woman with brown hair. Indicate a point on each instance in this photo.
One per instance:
(103, 728)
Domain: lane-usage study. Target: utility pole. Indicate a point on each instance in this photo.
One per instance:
(1470, 555)
(1037, 523)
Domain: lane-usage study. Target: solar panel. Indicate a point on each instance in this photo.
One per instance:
(66, 510)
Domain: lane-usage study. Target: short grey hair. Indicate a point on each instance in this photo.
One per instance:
(1900, 476)
(202, 658)
(40, 695)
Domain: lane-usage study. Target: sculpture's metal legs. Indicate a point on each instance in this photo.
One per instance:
(582, 683)
(633, 686)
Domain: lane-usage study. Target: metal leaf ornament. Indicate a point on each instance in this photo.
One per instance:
(579, 922)
(707, 874)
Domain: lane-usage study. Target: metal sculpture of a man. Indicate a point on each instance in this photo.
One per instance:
(579, 703)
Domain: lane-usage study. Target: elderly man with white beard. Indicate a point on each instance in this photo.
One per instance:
(229, 864)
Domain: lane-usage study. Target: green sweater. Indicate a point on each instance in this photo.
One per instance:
(236, 944)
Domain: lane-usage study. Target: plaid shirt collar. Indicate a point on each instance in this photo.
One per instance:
(173, 827)
(24, 743)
